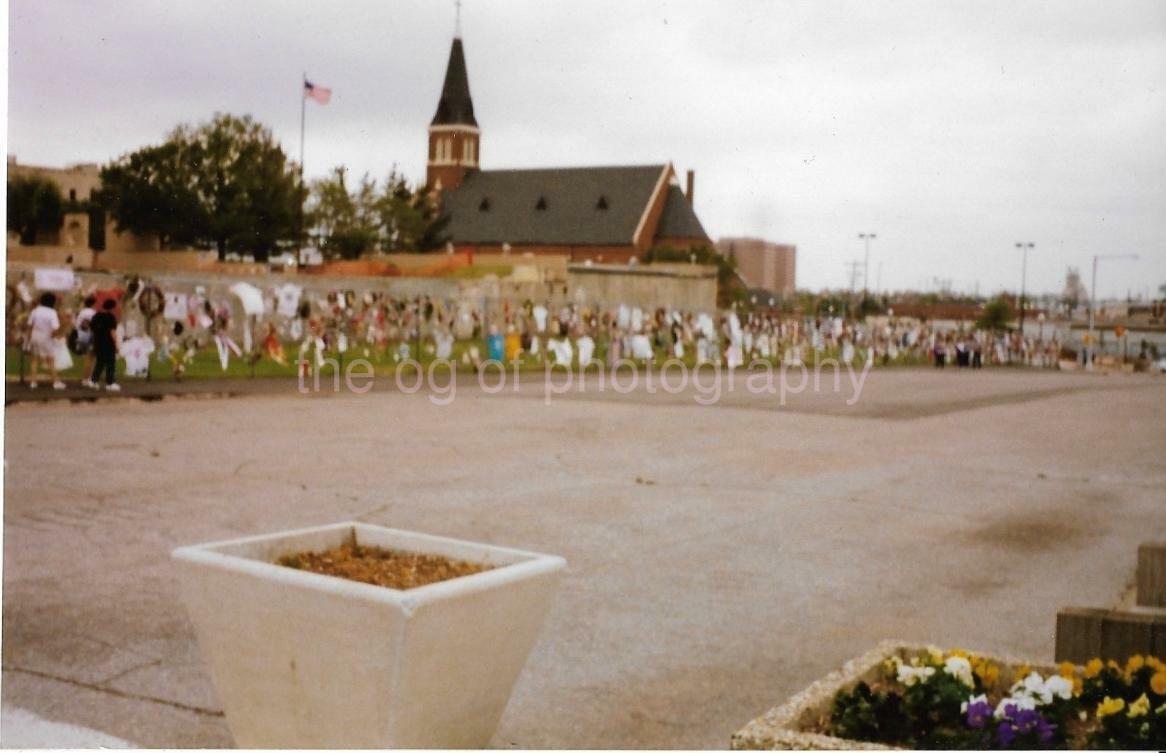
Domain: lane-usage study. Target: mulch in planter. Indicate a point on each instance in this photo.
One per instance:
(390, 568)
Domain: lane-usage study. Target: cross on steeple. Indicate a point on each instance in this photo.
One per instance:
(457, 27)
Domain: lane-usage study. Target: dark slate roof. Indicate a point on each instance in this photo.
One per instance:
(455, 106)
(678, 220)
(571, 197)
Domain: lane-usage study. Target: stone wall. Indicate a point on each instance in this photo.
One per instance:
(690, 287)
(546, 279)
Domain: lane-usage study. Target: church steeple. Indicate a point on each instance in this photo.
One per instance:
(453, 132)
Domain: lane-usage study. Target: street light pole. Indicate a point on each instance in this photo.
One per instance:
(1024, 247)
(1093, 302)
(866, 238)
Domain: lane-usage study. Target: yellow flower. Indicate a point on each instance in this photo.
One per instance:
(1153, 662)
(986, 671)
(1109, 706)
(1093, 668)
(1158, 682)
(1067, 668)
(1078, 685)
(1135, 663)
(1140, 707)
(1111, 664)
(959, 652)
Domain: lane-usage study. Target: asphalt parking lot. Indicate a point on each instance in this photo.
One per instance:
(720, 557)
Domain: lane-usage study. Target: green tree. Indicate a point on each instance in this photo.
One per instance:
(996, 315)
(346, 224)
(410, 217)
(34, 205)
(225, 184)
(152, 192)
(396, 218)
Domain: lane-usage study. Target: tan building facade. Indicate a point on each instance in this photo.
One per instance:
(761, 264)
(79, 183)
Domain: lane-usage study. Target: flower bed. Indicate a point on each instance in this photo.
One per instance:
(920, 697)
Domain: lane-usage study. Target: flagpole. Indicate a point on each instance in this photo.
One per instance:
(303, 111)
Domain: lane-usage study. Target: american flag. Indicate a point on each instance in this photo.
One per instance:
(318, 93)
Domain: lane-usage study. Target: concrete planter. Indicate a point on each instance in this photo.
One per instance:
(302, 660)
(785, 727)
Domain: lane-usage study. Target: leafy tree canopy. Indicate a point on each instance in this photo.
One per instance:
(996, 315)
(34, 205)
(393, 218)
(224, 184)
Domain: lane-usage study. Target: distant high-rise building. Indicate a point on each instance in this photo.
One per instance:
(761, 264)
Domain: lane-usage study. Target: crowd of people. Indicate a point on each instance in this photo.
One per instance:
(301, 329)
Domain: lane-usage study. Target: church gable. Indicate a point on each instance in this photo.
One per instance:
(589, 206)
(679, 221)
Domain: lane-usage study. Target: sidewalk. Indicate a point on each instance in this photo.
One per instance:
(139, 389)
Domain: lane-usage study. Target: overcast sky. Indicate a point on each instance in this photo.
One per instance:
(952, 130)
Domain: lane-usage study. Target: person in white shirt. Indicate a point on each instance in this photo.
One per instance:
(85, 339)
(44, 325)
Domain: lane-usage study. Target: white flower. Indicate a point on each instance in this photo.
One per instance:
(981, 698)
(1042, 691)
(909, 675)
(1060, 687)
(1034, 684)
(1020, 702)
(959, 668)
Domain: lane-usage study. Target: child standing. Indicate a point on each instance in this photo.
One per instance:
(84, 347)
(103, 327)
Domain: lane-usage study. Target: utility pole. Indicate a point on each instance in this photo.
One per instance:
(1093, 302)
(853, 265)
(300, 229)
(866, 238)
(1024, 247)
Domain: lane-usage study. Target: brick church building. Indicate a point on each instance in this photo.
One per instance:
(607, 214)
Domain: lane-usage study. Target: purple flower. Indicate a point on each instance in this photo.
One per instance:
(1044, 730)
(1018, 721)
(1005, 734)
(978, 714)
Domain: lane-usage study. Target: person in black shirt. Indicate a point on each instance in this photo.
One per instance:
(103, 327)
